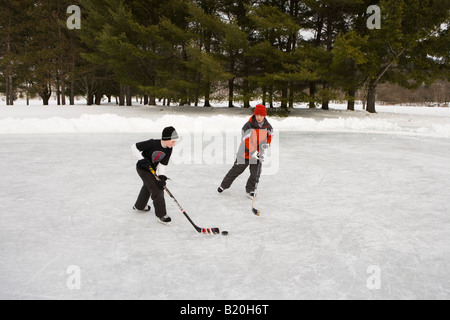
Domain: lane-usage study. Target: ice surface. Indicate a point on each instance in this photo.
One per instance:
(337, 202)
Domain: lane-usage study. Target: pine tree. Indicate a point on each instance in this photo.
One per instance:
(140, 44)
(204, 50)
(402, 50)
(45, 58)
(14, 32)
(278, 36)
(233, 46)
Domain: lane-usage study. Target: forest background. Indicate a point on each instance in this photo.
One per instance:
(195, 52)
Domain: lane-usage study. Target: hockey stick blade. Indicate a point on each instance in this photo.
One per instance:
(199, 230)
(214, 231)
(210, 231)
(256, 212)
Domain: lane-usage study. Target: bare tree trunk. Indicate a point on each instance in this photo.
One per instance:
(284, 97)
(246, 90)
(207, 95)
(372, 89)
(271, 96)
(152, 101)
(291, 95)
(10, 87)
(98, 98)
(230, 93)
(45, 94)
(63, 91)
(231, 82)
(152, 97)
(122, 95)
(351, 100)
(325, 101)
(128, 96)
(317, 41)
(72, 93)
(59, 68)
(9, 71)
(72, 82)
(329, 41)
(28, 93)
(312, 94)
(264, 95)
(58, 89)
(7, 88)
(371, 97)
(90, 97)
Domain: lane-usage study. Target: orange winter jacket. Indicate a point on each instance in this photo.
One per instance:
(253, 137)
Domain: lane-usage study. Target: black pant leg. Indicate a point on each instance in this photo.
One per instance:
(235, 171)
(151, 189)
(254, 177)
(142, 200)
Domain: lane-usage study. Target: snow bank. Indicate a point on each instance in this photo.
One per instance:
(112, 123)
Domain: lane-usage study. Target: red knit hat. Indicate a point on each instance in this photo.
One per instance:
(260, 110)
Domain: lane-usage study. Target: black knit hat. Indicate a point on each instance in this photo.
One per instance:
(169, 133)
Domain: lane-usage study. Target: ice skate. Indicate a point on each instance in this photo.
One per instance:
(165, 220)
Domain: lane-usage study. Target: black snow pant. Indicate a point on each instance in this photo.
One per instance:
(151, 189)
(237, 169)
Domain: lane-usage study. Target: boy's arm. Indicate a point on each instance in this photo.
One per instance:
(136, 152)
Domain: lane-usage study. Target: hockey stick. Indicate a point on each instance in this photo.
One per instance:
(254, 210)
(199, 230)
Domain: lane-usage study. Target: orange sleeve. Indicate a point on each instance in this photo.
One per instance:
(252, 142)
(269, 138)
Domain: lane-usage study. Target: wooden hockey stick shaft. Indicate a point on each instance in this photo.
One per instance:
(255, 211)
(199, 230)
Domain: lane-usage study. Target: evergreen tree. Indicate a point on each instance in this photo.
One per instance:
(233, 46)
(402, 50)
(45, 58)
(278, 33)
(204, 51)
(143, 53)
(14, 33)
(184, 50)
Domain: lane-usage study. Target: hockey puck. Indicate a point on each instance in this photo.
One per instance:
(224, 233)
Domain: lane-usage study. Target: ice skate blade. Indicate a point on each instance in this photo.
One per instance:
(164, 223)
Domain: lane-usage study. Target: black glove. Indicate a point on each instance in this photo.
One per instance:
(161, 182)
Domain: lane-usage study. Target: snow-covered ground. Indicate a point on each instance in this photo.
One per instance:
(354, 206)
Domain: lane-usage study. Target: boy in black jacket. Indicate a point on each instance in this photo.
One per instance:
(155, 154)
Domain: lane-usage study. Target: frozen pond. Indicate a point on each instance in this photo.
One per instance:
(344, 216)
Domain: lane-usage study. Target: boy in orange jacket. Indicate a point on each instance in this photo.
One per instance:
(256, 137)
